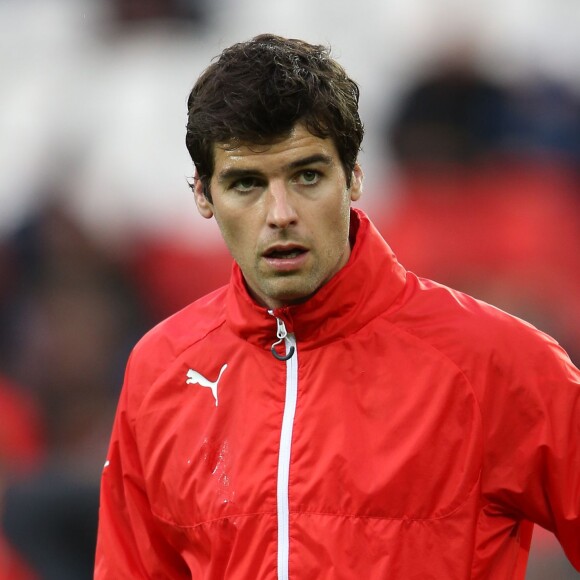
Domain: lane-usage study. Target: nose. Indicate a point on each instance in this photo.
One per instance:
(281, 211)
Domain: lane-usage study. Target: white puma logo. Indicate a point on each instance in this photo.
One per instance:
(193, 377)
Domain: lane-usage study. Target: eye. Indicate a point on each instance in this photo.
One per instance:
(308, 177)
(245, 184)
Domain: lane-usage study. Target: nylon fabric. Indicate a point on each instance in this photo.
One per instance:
(430, 429)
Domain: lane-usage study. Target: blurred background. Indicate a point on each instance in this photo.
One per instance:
(472, 163)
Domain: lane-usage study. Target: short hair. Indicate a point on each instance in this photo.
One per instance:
(257, 91)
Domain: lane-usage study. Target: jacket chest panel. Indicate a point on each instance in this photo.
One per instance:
(381, 430)
(205, 461)
(384, 428)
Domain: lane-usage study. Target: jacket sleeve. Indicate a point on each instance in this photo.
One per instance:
(131, 543)
(531, 417)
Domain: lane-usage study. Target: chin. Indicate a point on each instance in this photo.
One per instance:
(291, 297)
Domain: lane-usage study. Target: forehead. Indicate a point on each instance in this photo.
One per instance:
(299, 144)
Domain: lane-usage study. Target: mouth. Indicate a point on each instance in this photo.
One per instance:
(287, 257)
(284, 254)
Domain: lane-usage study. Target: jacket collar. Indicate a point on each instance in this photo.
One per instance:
(364, 288)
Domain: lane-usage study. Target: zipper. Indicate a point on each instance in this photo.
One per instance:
(283, 508)
(281, 334)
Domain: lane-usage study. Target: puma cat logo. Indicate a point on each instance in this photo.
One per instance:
(193, 377)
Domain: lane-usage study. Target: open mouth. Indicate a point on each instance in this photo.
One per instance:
(286, 254)
(286, 258)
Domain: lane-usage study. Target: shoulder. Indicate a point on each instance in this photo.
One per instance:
(471, 332)
(187, 326)
(164, 343)
(520, 376)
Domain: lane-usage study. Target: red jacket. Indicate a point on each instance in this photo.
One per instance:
(415, 433)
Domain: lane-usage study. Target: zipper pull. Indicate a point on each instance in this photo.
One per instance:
(281, 333)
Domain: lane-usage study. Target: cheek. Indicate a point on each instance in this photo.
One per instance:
(334, 236)
(339, 217)
(237, 234)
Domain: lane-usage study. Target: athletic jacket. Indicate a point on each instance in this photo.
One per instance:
(413, 433)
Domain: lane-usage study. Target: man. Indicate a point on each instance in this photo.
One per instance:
(327, 414)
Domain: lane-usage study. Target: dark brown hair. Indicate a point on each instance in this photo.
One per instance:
(256, 91)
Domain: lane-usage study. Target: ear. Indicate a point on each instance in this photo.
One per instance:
(356, 183)
(204, 207)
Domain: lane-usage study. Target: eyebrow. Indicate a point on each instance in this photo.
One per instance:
(317, 158)
(235, 173)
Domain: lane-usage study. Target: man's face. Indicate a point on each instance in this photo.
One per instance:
(283, 211)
